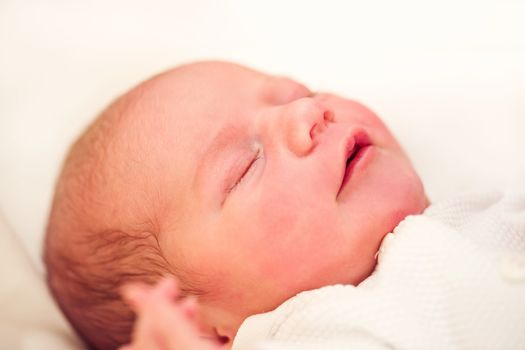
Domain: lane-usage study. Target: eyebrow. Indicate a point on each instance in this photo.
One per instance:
(218, 144)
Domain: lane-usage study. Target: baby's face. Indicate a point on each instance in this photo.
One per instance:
(258, 201)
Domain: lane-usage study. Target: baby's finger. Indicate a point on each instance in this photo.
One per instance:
(145, 333)
(189, 307)
(170, 324)
(167, 287)
(134, 294)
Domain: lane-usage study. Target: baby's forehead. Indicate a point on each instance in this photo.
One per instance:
(210, 75)
(212, 92)
(217, 93)
(207, 83)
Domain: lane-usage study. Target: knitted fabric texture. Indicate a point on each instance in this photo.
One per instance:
(451, 278)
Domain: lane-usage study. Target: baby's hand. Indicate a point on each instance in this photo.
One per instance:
(164, 322)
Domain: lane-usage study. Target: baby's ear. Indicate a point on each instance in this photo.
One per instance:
(224, 337)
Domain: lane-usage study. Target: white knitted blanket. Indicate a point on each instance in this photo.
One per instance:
(452, 278)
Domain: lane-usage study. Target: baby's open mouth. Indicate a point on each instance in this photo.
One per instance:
(357, 147)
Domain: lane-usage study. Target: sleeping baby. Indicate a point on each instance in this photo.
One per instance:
(283, 218)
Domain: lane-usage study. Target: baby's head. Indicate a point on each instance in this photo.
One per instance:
(249, 188)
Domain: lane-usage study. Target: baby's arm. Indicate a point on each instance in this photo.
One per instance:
(163, 322)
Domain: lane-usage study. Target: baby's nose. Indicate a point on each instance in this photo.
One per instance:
(304, 119)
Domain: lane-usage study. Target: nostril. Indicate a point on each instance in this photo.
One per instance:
(316, 129)
(319, 127)
(328, 116)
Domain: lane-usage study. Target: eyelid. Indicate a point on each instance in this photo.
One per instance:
(246, 169)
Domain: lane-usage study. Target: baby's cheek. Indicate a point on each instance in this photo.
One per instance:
(290, 239)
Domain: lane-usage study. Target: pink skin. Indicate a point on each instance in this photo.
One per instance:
(163, 321)
(285, 228)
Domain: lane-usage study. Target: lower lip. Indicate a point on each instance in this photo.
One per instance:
(356, 166)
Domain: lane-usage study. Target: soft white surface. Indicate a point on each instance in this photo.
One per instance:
(452, 278)
(28, 318)
(448, 77)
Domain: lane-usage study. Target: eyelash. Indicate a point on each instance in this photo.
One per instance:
(245, 171)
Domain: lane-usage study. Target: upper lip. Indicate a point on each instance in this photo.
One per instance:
(353, 143)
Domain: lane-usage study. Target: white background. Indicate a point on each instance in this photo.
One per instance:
(448, 77)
